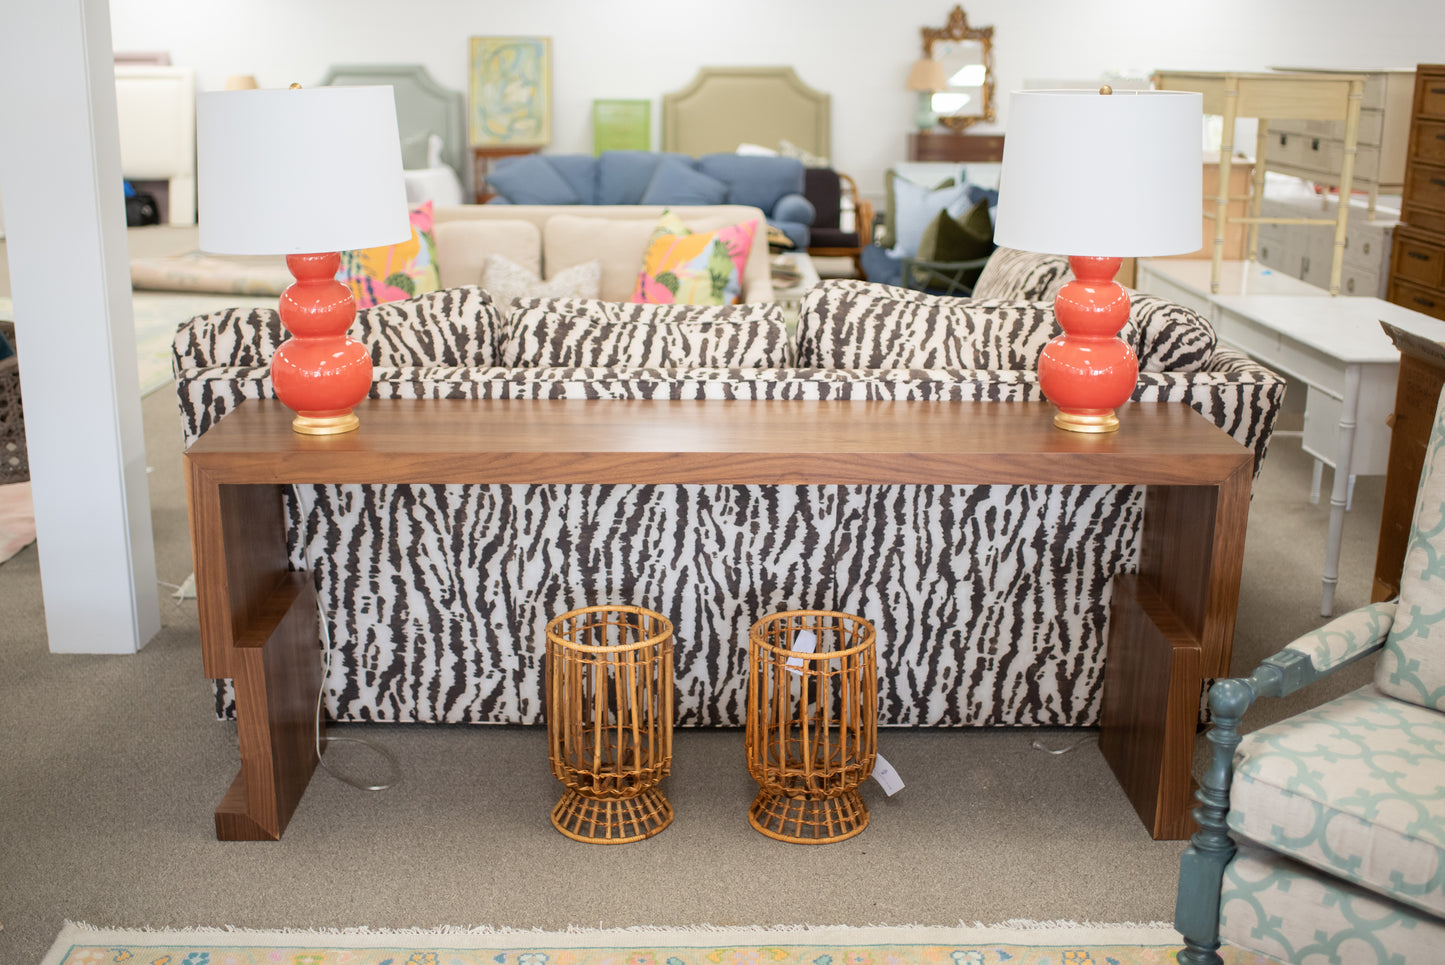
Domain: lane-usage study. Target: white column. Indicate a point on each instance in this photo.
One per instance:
(69, 278)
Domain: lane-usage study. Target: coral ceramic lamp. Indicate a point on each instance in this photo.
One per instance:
(305, 174)
(1098, 176)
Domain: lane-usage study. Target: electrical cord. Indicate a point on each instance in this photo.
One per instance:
(391, 759)
(1039, 745)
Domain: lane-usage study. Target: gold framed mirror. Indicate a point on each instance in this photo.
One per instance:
(966, 55)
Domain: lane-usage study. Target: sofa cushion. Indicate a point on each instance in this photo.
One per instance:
(1353, 788)
(623, 176)
(1412, 665)
(531, 179)
(1022, 275)
(582, 333)
(506, 281)
(1276, 907)
(392, 272)
(579, 171)
(675, 182)
(1166, 336)
(463, 247)
(849, 324)
(755, 181)
(453, 326)
(569, 240)
(889, 236)
(682, 266)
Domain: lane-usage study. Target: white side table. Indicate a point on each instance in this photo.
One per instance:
(791, 296)
(1336, 347)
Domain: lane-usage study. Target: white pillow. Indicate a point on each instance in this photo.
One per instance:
(508, 281)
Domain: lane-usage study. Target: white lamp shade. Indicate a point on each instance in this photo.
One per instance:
(299, 171)
(1112, 175)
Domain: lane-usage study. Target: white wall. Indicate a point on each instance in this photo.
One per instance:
(859, 51)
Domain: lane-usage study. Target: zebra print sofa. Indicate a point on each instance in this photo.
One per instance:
(991, 602)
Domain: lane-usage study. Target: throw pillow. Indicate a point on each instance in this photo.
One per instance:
(676, 182)
(787, 148)
(508, 281)
(581, 333)
(530, 179)
(689, 267)
(890, 205)
(393, 272)
(915, 206)
(948, 240)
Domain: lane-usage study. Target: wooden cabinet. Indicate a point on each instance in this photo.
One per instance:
(1422, 372)
(1315, 149)
(1417, 265)
(962, 148)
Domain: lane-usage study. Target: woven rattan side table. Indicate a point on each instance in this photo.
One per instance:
(812, 723)
(609, 721)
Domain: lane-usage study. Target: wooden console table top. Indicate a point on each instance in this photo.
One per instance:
(1172, 623)
(529, 441)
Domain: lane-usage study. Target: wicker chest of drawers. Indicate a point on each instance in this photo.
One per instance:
(1417, 265)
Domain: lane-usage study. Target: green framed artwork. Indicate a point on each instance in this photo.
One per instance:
(621, 126)
(510, 92)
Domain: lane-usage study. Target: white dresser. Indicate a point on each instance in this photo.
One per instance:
(1316, 149)
(1304, 252)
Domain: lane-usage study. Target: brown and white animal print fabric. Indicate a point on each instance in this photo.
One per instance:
(991, 601)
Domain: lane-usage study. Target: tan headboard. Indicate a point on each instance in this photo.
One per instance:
(727, 106)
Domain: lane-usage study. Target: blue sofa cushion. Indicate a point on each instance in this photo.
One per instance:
(753, 180)
(531, 179)
(676, 182)
(623, 176)
(798, 233)
(580, 171)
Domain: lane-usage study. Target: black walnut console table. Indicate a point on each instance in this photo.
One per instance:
(1172, 624)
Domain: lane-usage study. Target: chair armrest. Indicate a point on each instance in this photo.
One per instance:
(1342, 641)
(1337, 644)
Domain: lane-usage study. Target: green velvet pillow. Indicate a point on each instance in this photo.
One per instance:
(950, 239)
(890, 207)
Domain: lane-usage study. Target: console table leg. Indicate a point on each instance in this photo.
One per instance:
(1152, 684)
(277, 677)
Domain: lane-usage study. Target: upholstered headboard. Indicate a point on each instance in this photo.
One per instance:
(727, 106)
(423, 108)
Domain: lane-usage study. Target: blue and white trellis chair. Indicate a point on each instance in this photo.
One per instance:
(1322, 837)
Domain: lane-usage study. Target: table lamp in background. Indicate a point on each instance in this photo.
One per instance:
(1098, 177)
(926, 77)
(305, 174)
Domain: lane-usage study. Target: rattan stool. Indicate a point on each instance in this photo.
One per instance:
(609, 721)
(812, 724)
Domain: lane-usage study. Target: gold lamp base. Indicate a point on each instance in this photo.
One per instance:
(1087, 421)
(325, 425)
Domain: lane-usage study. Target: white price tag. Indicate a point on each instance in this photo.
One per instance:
(886, 776)
(804, 641)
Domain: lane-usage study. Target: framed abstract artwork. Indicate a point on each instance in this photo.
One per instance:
(510, 92)
(621, 125)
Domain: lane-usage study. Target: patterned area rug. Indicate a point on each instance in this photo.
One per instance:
(1013, 943)
(157, 316)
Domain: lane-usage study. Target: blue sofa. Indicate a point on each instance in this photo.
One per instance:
(774, 184)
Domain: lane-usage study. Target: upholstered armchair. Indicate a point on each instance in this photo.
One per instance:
(1322, 837)
(825, 188)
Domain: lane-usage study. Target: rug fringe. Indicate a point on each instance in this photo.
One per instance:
(964, 931)
(1013, 924)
